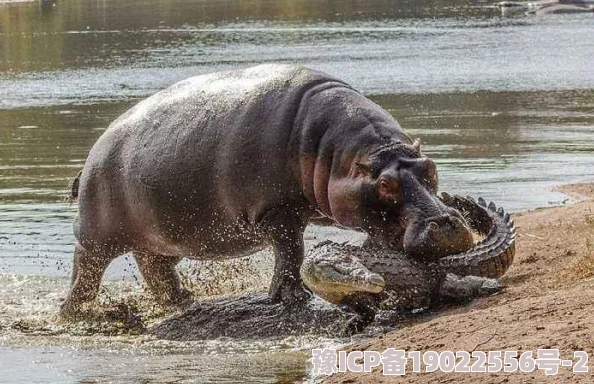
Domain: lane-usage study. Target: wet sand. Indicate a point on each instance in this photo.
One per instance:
(548, 303)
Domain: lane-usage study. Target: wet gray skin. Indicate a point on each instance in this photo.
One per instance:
(70, 70)
(246, 159)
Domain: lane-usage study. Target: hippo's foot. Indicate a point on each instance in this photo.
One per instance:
(182, 299)
(82, 312)
(74, 312)
(87, 269)
(162, 279)
(117, 318)
(290, 295)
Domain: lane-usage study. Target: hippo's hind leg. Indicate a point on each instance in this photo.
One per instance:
(87, 271)
(285, 231)
(162, 279)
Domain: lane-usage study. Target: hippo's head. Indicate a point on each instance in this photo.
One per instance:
(397, 204)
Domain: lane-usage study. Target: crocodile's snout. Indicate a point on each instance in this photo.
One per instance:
(348, 276)
(374, 282)
(335, 277)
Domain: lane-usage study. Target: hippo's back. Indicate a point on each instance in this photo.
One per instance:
(211, 148)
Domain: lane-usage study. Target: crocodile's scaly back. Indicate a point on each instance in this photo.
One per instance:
(495, 253)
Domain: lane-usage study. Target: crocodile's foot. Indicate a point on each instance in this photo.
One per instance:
(356, 324)
(490, 287)
(468, 287)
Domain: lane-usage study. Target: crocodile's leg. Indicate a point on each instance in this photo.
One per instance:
(365, 307)
(468, 287)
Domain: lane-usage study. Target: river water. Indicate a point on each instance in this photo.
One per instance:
(504, 105)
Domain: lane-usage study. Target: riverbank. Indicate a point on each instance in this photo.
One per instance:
(548, 303)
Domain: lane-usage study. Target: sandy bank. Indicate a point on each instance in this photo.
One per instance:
(549, 303)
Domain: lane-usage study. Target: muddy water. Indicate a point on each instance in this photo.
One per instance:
(504, 105)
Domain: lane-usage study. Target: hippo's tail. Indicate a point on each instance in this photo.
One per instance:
(74, 188)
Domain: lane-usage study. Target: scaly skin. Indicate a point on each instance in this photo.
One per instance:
(341, 273)
(331, 277)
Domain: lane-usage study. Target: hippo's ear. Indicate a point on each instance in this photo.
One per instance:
(388, 188)
(362, 169)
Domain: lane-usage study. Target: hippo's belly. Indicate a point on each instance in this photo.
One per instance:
(193, 169)
(207, 245)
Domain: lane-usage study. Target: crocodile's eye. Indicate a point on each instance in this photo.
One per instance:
(359, 272)
(344, 268)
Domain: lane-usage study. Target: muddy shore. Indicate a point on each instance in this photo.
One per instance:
(548, 303)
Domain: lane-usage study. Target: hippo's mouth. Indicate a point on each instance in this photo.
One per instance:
(442, 233)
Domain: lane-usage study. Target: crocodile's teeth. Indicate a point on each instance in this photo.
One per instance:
(492, 206)
(482, 202)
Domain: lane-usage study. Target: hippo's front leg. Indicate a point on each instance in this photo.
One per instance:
(285, 229)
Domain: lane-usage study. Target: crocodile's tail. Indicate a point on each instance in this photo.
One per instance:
(495, 253)
(73, 196)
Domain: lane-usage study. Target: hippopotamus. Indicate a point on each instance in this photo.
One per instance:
(221, 165)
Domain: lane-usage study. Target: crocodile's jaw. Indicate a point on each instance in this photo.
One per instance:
(334, 286)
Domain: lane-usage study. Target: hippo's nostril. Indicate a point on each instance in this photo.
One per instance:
(433, 227)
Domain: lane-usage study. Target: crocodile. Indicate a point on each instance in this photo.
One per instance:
(364, 279)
